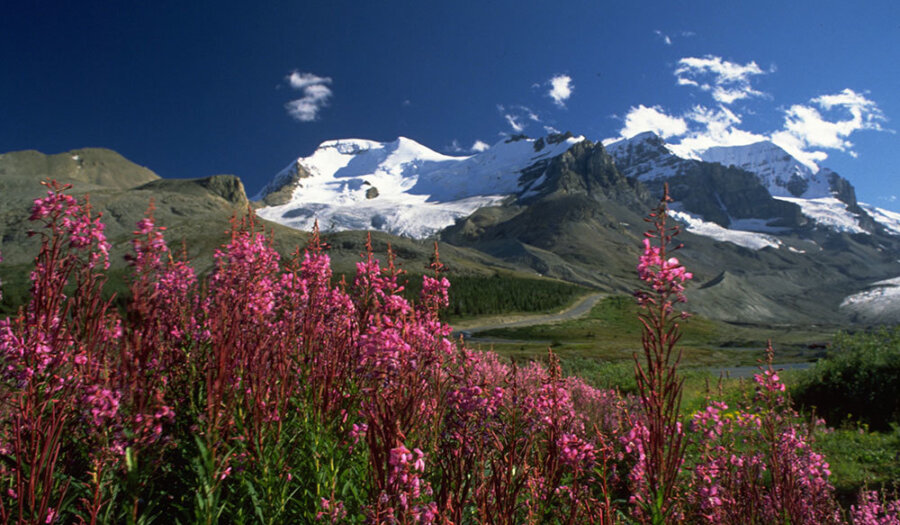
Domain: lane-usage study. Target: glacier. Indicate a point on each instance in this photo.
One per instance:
(419, 191)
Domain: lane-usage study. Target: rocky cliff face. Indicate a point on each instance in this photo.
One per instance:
(776, 169)
(755, 186)
(727, 195)
(281, 188)
(585, 169)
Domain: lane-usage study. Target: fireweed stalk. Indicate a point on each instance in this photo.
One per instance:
(55, 364)
(756, 464)
(403, 350)
(657, 435)
(152, 358)
(267, 394)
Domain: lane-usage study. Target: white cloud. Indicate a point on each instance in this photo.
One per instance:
(560, 89)
(316, 94)
(808, 124)
(642, 118)
(454, 147)
(299, 80)
(713, 127)
(514, 123)
(479, 146)
(805, 134)
(518, 116)
(665, 37)
(807, 131)
(726, 81)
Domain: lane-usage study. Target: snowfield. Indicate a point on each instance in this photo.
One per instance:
(419, 191)
(889, 219)
(829, 212)
(747, 239)
(405, 188)
(883, 297)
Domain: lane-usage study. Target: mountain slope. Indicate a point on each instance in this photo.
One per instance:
(756, 258)
(197, 214)
(194, 210)
(560, 206)
(758, 187)
(400, 187)
(778, 171)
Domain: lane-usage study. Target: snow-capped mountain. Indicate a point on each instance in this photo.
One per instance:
(646, 157)
(747, 195)
(400, 187)
(777, 170)
(825, 199)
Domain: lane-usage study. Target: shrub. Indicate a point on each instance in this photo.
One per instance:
(860, 379)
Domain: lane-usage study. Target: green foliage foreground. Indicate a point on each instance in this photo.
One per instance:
(859, 380)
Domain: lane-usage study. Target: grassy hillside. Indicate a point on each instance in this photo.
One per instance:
(611, 332)
(477, 295)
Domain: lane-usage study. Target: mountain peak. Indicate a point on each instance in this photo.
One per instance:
(350, 146)
(779, 172)
(88, 167)
(646, 136)
(644, 156)
(401, 187)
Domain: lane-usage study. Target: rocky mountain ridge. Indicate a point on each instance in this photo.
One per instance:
(559, 206)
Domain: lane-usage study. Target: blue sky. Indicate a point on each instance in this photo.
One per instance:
(191, 89)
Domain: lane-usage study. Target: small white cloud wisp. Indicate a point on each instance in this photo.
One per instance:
(665, 38)
(316, 95)
(514, 123)
(478, 146)
(560, 89)
(518, 117)
(727, 81)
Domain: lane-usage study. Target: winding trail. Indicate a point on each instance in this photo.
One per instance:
(579, 308)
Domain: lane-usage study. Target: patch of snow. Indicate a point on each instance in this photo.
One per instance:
(532, 189)
(882, 296)
(795, 250)
(420, 191)
(829, 212)
(747, 239)
(889, 219)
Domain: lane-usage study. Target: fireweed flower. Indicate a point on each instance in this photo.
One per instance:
(870, 509)
(452, 435)
(61, 213)
(657, 435)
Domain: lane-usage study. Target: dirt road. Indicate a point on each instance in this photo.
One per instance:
(578, 309)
